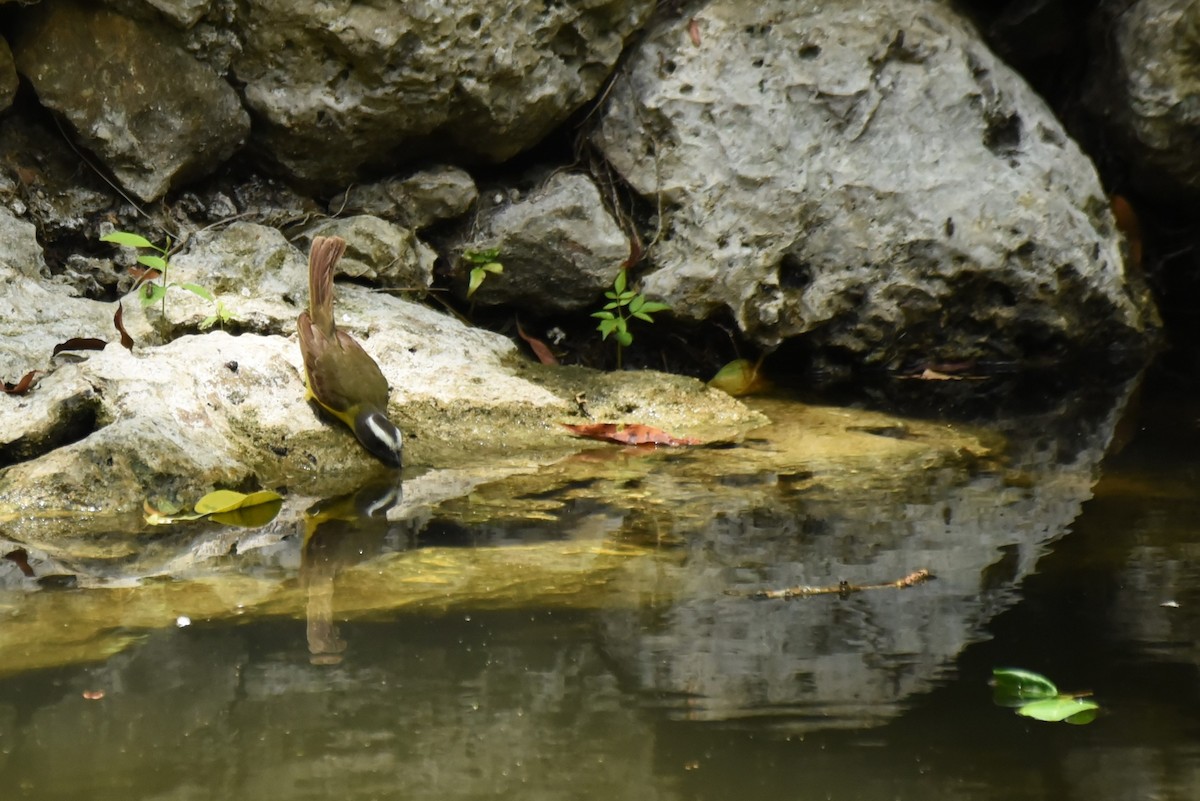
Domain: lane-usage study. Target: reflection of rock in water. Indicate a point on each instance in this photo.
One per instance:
(831, 662)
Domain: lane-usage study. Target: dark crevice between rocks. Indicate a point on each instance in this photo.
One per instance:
(76, 419)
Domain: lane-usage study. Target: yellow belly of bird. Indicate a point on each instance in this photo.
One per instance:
(345, 417)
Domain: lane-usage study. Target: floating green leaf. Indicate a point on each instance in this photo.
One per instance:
(228, 500)
(1014, 687)
(1077, 711)
(224, 506)
(1035, 696)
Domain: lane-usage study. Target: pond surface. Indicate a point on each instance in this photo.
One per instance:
(586, 632)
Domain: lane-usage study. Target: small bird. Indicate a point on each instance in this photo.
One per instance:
(342, 377)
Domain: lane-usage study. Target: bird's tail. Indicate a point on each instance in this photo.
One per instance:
(325, 252)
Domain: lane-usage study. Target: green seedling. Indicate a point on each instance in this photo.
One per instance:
(485, 264)
(152, 286)
(624, 304)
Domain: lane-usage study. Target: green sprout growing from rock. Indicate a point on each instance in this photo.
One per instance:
(485, 264)
(623, 305)
(153, 281)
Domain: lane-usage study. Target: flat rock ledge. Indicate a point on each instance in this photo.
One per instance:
(99, 436)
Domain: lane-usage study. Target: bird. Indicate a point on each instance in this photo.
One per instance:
(342, 377)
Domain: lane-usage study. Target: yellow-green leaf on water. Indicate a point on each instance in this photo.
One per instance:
(249, 516)
(228, 500)
(739, 377)
(1063, 708)
(1016, 687)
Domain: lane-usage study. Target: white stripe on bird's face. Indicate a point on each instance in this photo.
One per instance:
(380, 437)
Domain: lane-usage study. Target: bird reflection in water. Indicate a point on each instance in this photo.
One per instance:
(339, 532)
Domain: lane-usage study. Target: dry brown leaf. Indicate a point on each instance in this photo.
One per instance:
(20, 557)
(539, 348)
(119, 322)
(628, 434)
(1130, 227)
(79, 343)
(22, 386)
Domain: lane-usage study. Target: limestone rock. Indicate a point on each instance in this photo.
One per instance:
(1147, 91)
(151, 112)
(869, 178)
(416, 201)
(560, 247)
(8, 76)
(105, 430)
(36, 314)
(340, 86)
(382, 252)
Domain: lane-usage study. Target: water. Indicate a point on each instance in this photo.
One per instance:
(1075, 554)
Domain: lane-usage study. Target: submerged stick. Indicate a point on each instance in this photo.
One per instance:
(842, 588)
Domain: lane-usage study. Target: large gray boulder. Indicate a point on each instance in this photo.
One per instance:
(1147, 91)
(559, 245)
(341, 85)
(153, 114)
(868, 177)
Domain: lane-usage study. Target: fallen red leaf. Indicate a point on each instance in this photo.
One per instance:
(20, 557)
(93, 695)
(119, 322)
(694, 31)
(141, 274)
(22, 386)
(628, 434)
(539, 348)
(1130, 227)
(80, 343)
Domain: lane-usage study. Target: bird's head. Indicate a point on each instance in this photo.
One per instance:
(380, 437)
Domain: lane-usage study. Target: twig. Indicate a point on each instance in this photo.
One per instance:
(842, 588)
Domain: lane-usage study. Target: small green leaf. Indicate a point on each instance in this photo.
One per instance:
(494, 267)
(606, 327)
(481, 256)
(128, 240)
(603, 315)
(643, 316)
(636, 304)
(477, 276)
(199, 291)
(152, 293)
(208, 322)
(624, 338)
(1014, 687)
(156, 262)
(653, 307)
(619, 282)
(613, 305)
(1063, 708)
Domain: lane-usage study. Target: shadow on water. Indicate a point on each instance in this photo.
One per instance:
(583, 631)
